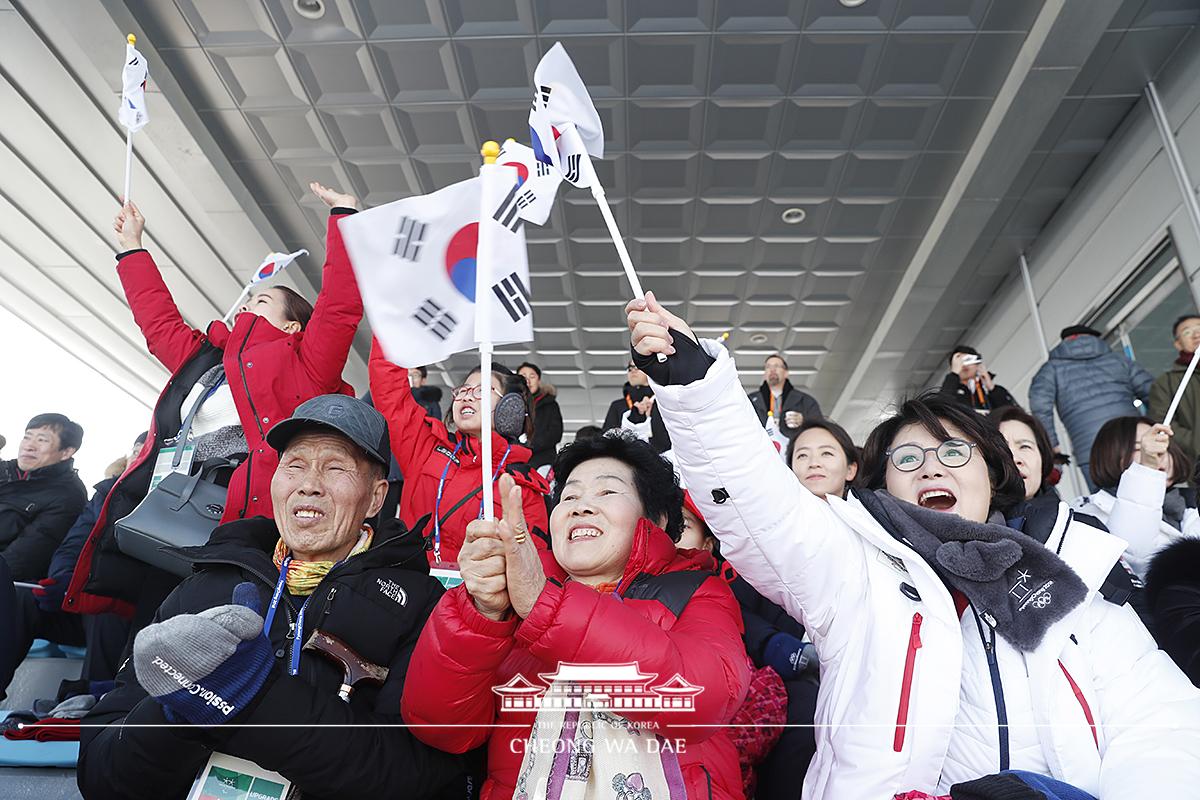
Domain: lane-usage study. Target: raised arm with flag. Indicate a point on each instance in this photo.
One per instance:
(132, 113)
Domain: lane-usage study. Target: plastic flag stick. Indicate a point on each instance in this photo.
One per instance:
(483, 263)
(1187, 376)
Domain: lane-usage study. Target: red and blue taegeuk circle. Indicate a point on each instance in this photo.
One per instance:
(460, 259)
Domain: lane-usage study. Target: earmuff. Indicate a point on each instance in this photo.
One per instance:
(508, 417)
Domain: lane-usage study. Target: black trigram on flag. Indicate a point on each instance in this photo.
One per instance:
(437, 320)
(409, 236)
(518, 197)
(513, 296)
(541, 95)
(543, 169)
(571, 173)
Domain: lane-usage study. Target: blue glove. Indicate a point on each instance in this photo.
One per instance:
(789, 656)
(204, 668)
(49, 595)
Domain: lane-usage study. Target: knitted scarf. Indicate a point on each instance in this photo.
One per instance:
(303, 577)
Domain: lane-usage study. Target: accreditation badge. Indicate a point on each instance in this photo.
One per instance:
(227, 778)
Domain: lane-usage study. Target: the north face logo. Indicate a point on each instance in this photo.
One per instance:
(393, 590)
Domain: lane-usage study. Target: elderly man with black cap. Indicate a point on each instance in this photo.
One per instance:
(232, 648)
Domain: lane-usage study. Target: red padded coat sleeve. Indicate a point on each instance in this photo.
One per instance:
(336, 314)
(576, 624)
(452, 672)
(171, 340)
(412, 438)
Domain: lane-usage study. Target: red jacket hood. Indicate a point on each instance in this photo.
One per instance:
(653, 553)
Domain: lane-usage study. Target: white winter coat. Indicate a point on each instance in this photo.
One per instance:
(1115, 716)
(1135, 515)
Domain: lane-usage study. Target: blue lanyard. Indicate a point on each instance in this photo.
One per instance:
(297, 631)
(437, 503)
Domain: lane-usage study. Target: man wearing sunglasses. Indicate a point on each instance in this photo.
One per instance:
(635, 411)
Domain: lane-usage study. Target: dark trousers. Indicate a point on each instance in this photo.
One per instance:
(781, 774)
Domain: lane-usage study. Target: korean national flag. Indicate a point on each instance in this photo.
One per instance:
(537, 185)
(560, 99)
(415, 261)
(133, 114)
(273, 264)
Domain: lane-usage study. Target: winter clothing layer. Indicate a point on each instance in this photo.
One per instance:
(1186, 423)
(660, 440)
(426, 451)
(269, 372)
(547, 428)
(674, 616)
(1135, 514)
(998, 397)
(430, 398)
(791, 399)
(1096, 691)
(1173, 595)
(36, 510)
(1089, 384)
(376, 602)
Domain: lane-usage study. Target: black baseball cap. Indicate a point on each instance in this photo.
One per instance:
(353, 418)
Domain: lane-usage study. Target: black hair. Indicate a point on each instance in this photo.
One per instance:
(654, 478)
(295, 307)
(1113, 450)
(537, 370)
(1078, 330)
(1180, 321)
(510, 383)
(1040, 437)
(423, 370)
(587, 432)
(70, 434)
(961, 348)
(837, 432)
(931, 411)
(776, 355)
(142, 437)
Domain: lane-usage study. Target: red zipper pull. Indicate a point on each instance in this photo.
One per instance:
(914, 640)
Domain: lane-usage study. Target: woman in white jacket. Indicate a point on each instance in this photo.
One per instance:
(1135, 463)
(950, 648)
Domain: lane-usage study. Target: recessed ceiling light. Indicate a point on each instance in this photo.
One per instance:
(758, 338)
(852, 3)
(793, 216)
(309, 9)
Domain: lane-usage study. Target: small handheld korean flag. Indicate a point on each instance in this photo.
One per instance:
(532, 197)
(415, 261)
(273, 264)
(133, 114)
(560, 98)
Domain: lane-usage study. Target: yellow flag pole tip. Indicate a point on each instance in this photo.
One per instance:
(131, 39)
(489, 151)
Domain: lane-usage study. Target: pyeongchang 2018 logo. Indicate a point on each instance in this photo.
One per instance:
(598, 687)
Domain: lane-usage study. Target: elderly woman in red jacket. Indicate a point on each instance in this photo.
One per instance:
(279, 352)
(612, 591)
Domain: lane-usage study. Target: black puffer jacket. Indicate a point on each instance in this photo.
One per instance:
(376, 602)
(1173, 595)
(36, 511)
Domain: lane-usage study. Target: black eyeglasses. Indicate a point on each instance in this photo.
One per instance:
(953, 453)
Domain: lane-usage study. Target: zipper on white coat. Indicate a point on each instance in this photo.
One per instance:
(910, 663)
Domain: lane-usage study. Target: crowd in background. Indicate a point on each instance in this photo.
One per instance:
(812, 587)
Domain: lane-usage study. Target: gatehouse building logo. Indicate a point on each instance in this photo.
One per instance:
(610, 687)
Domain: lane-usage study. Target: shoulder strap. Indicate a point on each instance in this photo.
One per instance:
(459, 504)
(673, 589)
(206, 386)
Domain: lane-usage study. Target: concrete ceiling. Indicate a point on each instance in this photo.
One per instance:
(927, 142)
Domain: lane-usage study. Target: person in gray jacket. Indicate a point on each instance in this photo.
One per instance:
(1089, 384)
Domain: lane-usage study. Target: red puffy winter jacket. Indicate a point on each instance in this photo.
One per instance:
(269, 373)
(425, 450)
(462, 655)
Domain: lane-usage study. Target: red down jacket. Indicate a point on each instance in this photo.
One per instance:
(462, 655)
(425, 450)
(269, 373)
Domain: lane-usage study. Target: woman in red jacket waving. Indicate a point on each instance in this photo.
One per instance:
(442, 460)
(279, 352)
(614, 599)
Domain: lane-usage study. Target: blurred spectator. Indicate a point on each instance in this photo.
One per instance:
(208, 666)
(442, 460)
(781, 407)
(38, 613)
(429, 397)
(3, 442)
(1173, 595)
(824, 458)
(970, 383)
(635, 411)
(547, 417)
(1089, 384)
(1186, 423)
(586, 433)
(279, 352)
(1031, 451)
(612, 590)
(40, 495)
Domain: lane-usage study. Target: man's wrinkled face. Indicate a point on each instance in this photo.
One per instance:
(41, 447)
(323, 490)
(774, 372)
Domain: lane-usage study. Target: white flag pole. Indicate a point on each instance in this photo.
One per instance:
(236, 304)
(1187, 377)
(488, 173)
(128, 143)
